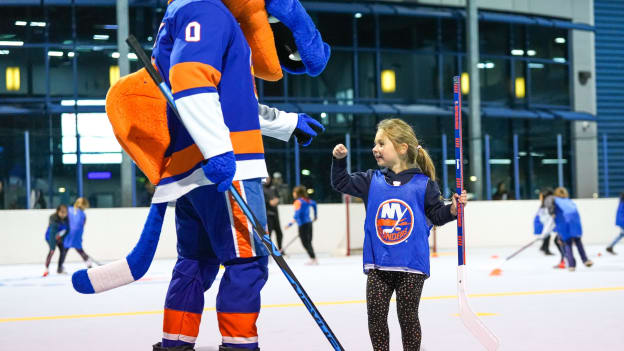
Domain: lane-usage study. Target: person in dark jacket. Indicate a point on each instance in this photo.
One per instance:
(57, 228)
(271, 200)
(402, 201)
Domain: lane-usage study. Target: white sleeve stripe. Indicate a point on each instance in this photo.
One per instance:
(277, 124)
(202, 116)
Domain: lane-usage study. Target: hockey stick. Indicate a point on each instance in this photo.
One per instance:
(468, 317)
(498, 271)
(259, 231)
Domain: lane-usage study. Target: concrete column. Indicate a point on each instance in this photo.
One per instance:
(474, 98)
(127, 175)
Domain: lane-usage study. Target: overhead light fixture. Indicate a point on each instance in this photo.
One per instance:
(310, 191)
(11, 43)
(520, 88)
(358, 15)
(517, 52)
(531, 52)
(388, 81)
(559, 59)
(131, 56)
(489, 65)
(305, 172)
(83, 102)
(61, 190)
(473, 178)
(150, 38)
(465, 83)
(560, 40)
(55, 53)
(113, 74)
(101, 36)
(37, 24)
(323, 115)
(13, 78)
(115, 55)
(4, 52)
(21, 23)
(536, 65)
(500, 161)
(70, 54)
(481, 65)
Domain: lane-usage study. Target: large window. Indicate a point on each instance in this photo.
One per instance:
(379, 62)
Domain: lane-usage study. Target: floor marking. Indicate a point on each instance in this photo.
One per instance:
(325, 303)
(479, 314)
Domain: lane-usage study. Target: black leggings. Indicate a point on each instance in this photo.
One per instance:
(81, 252)
(379, 288)
(305, 234)
(274, 225)
(59, 244)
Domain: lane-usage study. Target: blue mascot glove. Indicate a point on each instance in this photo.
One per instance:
(307, 128)
(220, 170)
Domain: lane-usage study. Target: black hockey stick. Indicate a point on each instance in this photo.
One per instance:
(258, 229)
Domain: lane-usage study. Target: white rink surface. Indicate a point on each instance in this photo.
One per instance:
(531, 306)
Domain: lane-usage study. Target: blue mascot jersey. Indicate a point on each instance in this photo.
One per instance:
(396, 230)
(567, 219)
(204, 58)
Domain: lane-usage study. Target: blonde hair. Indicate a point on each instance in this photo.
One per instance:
(399, 133)
(81, 203)
(562, 192)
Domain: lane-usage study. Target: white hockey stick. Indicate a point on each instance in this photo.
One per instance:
(468, 317)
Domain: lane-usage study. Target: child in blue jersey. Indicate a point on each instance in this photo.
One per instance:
(302, 206)
(568, 224)
(402, 202)
(57, 227)
(73, 239)
(619, 221)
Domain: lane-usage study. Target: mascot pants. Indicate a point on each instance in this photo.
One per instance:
(212, 230)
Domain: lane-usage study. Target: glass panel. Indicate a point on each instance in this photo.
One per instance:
(494, 38)
(449, 35)
(22, 23)
(94, 71)
(415, 76)
(449, 70)
(501, 158)
(22, 72)
(366, 74)
(144, 22)
(550, 43)
(96, 25)
(494, 79)
(336, 29)
(336, 81)
(366, 31)
(408, 32)
(60, 28)
(273, 89)
(549, 84)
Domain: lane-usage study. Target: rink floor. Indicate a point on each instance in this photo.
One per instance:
(531, 306)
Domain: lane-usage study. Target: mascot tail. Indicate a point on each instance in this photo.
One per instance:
(130, 269)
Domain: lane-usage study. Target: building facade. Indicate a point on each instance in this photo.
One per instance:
(389, 59)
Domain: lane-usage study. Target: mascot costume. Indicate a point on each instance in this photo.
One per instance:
(208, 52)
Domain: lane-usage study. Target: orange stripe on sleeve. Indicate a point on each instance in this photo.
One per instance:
(180, 322)
(297, 205)
(240, 225)
(242, 325)
(247, 142)
(189, 75)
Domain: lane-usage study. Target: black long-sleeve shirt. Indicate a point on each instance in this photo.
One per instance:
(358, 183)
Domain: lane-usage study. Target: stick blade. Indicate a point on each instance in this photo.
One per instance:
(476, 327)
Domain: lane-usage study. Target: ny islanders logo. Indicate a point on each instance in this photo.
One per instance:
(394, 222)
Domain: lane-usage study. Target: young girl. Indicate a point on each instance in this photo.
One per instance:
(402, 201)
(568, 224)
(545, 225)
(57, 227)
(619, 221)
(73, 239)
(302, 218)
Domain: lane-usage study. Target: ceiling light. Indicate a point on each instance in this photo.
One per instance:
(517, 52)
(55, 53)
(11, 43)
(21, 23)
(531, 52)
(101, 36)
(37, 24)
(560, 40)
